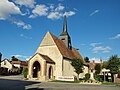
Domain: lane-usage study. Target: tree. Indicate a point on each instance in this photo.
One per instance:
(86, 59)
(14, 58)
(113, 65)
(78, 66)
(97, 68)
(25, 72)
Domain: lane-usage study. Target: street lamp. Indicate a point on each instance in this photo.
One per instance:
(104, 71)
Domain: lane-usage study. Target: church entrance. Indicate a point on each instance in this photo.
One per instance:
(50, 72)
(36, 69)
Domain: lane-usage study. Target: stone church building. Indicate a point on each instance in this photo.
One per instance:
(53, 57)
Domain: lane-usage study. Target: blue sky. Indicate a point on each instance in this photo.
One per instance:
(94, 26)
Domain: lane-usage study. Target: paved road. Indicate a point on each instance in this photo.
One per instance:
(9, 83)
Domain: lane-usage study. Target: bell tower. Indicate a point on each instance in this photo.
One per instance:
(64, 36)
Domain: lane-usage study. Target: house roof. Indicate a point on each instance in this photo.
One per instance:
(48, 60)
(16, 62)
(77, 54)
(19, 62)
(6, 59)
(64, 50)
(45, 57)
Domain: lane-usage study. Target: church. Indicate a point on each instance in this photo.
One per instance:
(53, 57)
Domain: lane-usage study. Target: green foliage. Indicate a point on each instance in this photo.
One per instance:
(78, 65)
(3, 71)
(25, 72)
(113, 64)
(87, 76)
(97, 68)
(98, 78)
(14, 58)
(105, 66)
(86, 59)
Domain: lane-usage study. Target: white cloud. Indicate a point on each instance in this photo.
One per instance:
(52, 7)
(97, 60)
(20, 23)
(51, 12)
(75, 9)
(54, 15)
(57, 14)
(95, 12)
(8, 8)
(24, 36)
(27, 3)
(94, 44)
(116, 37)
(102, 49)
(70, 13)
(60, 7)
(22, 56)
(39, 10)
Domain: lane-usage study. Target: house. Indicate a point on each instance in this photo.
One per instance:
(13, 66)
(6, 64)
(53, 57)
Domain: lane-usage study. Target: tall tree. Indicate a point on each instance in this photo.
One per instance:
(86, 59)
(113, 65)
(78, 66)
(14, 58)
(97, 68)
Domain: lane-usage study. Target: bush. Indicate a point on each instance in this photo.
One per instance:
(25, 72)
(98, 77)
(3, 71)
(87, 76)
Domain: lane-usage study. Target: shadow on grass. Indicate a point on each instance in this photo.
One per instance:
(7, 84)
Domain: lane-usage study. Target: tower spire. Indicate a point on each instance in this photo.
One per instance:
(65, 24)
(64, 36)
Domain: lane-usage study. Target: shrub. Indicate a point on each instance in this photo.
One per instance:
(87, 76)
(98, 77)
(25, 72)
(3, 71)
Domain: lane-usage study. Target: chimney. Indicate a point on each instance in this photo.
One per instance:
(100, 60)
(93, 61)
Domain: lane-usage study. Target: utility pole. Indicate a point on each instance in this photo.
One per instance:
(0, 58)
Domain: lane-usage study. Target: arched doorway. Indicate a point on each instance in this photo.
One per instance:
(36, 69)
(50, 74)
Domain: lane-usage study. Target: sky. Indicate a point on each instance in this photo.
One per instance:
(94, 26)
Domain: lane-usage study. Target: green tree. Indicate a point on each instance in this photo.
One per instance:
(25, 72)
(14, 58)
(97, 68)
(78, 66)
(113, 65)
(105, 66)
(86, 59)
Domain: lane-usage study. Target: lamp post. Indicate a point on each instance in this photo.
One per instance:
(105, 70)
